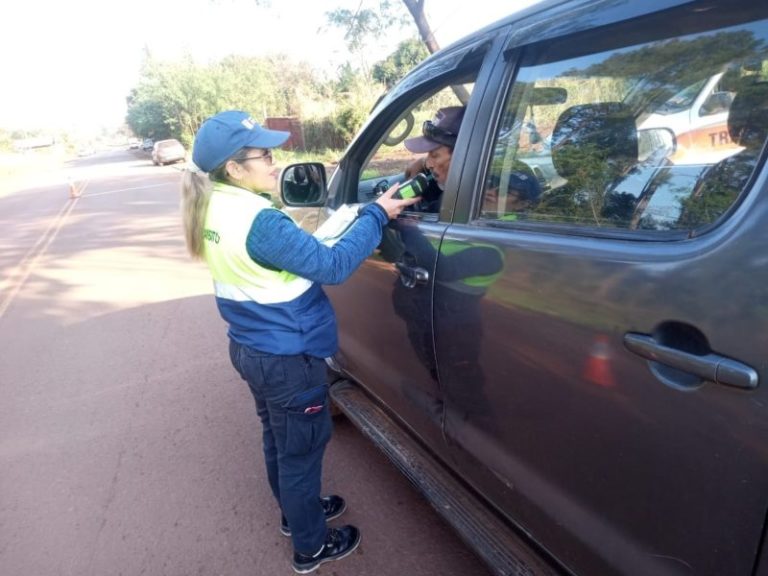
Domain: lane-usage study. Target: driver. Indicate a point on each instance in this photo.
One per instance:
(437, 140)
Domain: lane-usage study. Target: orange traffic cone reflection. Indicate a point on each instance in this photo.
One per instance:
(598, 365)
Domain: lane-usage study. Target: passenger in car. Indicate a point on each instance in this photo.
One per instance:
(437, 140)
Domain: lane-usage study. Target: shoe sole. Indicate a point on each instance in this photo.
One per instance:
(327, 518)
(324, 560)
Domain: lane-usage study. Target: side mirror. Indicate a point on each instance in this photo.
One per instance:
(303, 185)
(659, 142)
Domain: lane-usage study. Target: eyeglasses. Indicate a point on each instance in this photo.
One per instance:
(267, 157)
(437, 134)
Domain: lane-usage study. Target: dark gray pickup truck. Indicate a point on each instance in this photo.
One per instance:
(576, 382)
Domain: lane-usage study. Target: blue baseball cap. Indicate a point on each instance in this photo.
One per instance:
(222, 135)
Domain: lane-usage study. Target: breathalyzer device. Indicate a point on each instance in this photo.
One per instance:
(412, 188)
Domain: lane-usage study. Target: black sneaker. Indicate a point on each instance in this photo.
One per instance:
(339, 543)
(333, 506)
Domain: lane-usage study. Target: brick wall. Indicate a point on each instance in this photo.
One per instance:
(288, 124)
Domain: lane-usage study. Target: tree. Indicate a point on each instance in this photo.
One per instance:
(416, 8)
(365, 23)
(678, 63)
(408, 54)
(172, 99)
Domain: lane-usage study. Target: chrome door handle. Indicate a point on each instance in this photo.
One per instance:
(712, 367)
(412, 276)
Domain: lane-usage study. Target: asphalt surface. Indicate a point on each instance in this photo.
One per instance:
(128, 445)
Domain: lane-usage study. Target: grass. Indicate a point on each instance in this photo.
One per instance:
(18, 167)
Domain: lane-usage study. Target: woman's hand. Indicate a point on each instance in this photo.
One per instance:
(393, 206)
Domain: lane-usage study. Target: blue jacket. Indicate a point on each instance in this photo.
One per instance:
(268, 272)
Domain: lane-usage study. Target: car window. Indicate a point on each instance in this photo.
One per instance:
(660, 136)
(390, 162)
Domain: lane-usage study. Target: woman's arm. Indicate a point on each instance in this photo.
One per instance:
(276, 242)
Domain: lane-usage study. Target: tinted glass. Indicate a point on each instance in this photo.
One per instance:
(659, 136)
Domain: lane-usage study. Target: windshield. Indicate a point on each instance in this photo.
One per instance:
(683, 99)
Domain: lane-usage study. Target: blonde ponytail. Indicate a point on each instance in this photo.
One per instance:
(195, 194)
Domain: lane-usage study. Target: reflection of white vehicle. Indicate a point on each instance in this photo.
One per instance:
(698, 116)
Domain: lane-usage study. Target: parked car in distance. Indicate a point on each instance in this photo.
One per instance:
(168, 151)
(147, 144)
(565, 348)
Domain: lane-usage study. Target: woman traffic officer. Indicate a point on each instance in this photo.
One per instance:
(268, 275)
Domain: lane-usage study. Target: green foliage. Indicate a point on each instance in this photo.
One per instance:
(354, 97)
(337, 129)
(678, 63)
(172, 99)
(348, 121)
(349, 80)
(365, 24)
(407, 55)
(320, 133)
(720, 187)
(6, 141)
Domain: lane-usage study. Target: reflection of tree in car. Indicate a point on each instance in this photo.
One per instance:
(595, 146)
(619, 208)
(720, 185)
(678, 64)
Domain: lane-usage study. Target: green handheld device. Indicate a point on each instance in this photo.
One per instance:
(412, 188)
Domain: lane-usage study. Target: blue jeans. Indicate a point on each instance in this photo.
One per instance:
(291, 395)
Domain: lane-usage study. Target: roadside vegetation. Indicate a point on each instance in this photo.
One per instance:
(172, 98)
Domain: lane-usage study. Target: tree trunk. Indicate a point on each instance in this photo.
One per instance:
(416, 8)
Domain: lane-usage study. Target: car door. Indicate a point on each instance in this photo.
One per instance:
(604, 387)
(385, 309)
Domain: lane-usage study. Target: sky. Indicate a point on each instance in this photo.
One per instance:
(69, 64)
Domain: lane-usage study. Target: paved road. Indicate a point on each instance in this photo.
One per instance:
(127, 444)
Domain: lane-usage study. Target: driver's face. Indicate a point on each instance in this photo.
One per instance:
(439, 162)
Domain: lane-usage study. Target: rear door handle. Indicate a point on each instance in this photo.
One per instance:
(412, 276)
(712, 367)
